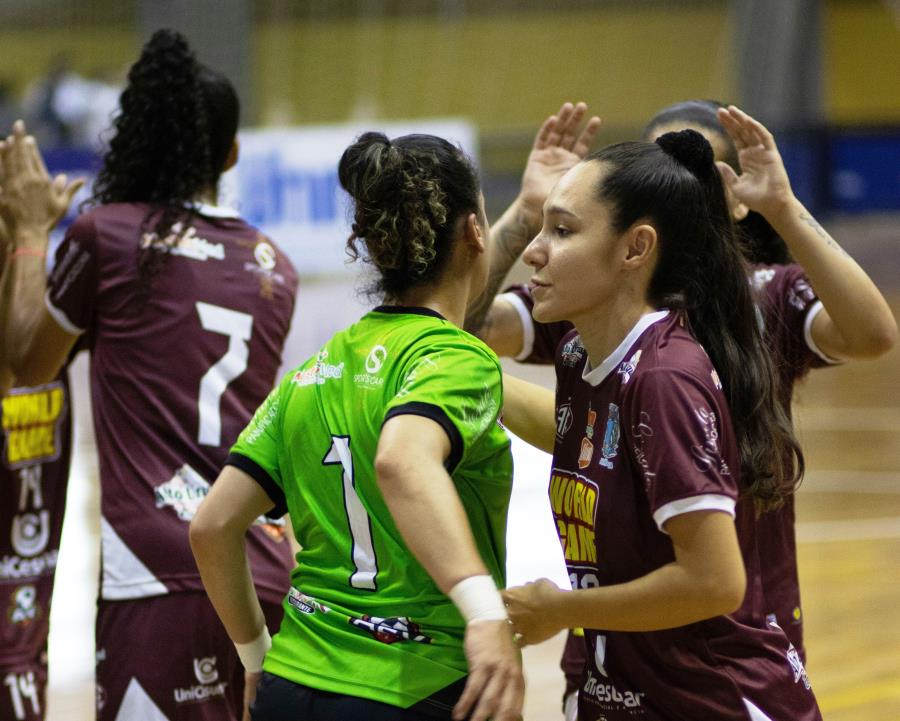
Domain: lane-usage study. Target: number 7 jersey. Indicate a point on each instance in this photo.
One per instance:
(174, 379)
(363, 617)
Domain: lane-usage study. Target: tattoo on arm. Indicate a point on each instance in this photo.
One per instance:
(831, 242)
(511, 239)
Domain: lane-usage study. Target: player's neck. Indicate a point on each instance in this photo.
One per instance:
(446, 298)
(605, 327)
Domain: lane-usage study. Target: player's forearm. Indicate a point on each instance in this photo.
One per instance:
(529, 411)
(429, 515)
(857, 308)
(668, 597)
(23, 296)
(222, 561)
(509, 236)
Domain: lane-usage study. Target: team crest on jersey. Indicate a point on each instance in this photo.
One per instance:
(32, 420)
(627, 369)
(572, 352)
(390, 630)
(611, 437)
(23, 608)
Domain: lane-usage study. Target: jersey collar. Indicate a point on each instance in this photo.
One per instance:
(413, 309)
(213, 211)
(595, 376)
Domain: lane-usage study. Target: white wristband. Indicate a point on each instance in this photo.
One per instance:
(478, 599)
(253, 652)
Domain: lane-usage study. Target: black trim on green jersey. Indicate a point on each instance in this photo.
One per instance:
(413, 309)
(262, 477)
(439, 416)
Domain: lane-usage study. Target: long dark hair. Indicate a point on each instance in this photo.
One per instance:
(759, 241)
(702, 274)
(175, 128)
(408, 194)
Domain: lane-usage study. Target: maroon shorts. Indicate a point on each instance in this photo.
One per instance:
(168, 658)
(24, 690)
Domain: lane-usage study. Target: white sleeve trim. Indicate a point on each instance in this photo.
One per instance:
(527, 324)
(61, 318)
(706, 502)
(811, 314)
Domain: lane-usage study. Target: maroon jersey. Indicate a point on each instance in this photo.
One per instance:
(788, 305)
(174, 378)
(36, 442)
(642, 438)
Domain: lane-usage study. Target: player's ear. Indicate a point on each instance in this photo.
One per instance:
(640, 245)
(474, 233)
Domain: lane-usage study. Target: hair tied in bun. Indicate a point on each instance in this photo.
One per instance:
(690, 149)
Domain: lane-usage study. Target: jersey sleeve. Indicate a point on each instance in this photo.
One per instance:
(539, 340)
(256, 451)
(456, 384)
(789, 306)
(680, 437)
(72, 286)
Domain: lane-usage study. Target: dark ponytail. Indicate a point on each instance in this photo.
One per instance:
(701, 273)
(408, 194)
(176, 125)
(760, 243)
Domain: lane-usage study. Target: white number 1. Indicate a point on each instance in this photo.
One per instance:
(360, 528)
(237, 326)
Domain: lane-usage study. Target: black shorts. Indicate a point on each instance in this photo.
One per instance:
(278, 699)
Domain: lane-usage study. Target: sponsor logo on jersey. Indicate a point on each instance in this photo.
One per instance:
(796, 664)
(265, 255)
(208, 685)
(627, 368)
(608, 695)
(183, 492)
(800, 294)
(572, 352)
(23, 607)
(707, 455)
(15, 567)
(761, 278)
(641, 431)
(573, 499)
(480, 415)
(30, 533)
(610, 437)
(319, 373)
(587, 445)
(31, 423)
(564, 420)
(186, 243)
(305, 604)
(374, 361)
(389, 630)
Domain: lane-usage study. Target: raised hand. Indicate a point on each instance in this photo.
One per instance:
(763, 185)
(558, 145)
(529, 608)
(496, 686)
(29, 198)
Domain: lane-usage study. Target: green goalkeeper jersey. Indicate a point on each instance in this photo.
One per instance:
(363, 617)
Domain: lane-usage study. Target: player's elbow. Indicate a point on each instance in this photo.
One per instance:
(206, 529)
(723, 592)
(883, 338)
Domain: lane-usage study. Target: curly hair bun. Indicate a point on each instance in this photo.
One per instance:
(690, 149)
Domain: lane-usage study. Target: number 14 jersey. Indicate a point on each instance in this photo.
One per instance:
(174, 379)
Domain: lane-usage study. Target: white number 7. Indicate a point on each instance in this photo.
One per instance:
(360, 528)
(238, 327)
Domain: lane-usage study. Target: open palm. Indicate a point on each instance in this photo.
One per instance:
(763, 185)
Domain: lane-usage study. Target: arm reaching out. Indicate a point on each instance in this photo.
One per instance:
(558, 145)
(856, 321)
(31, 204)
